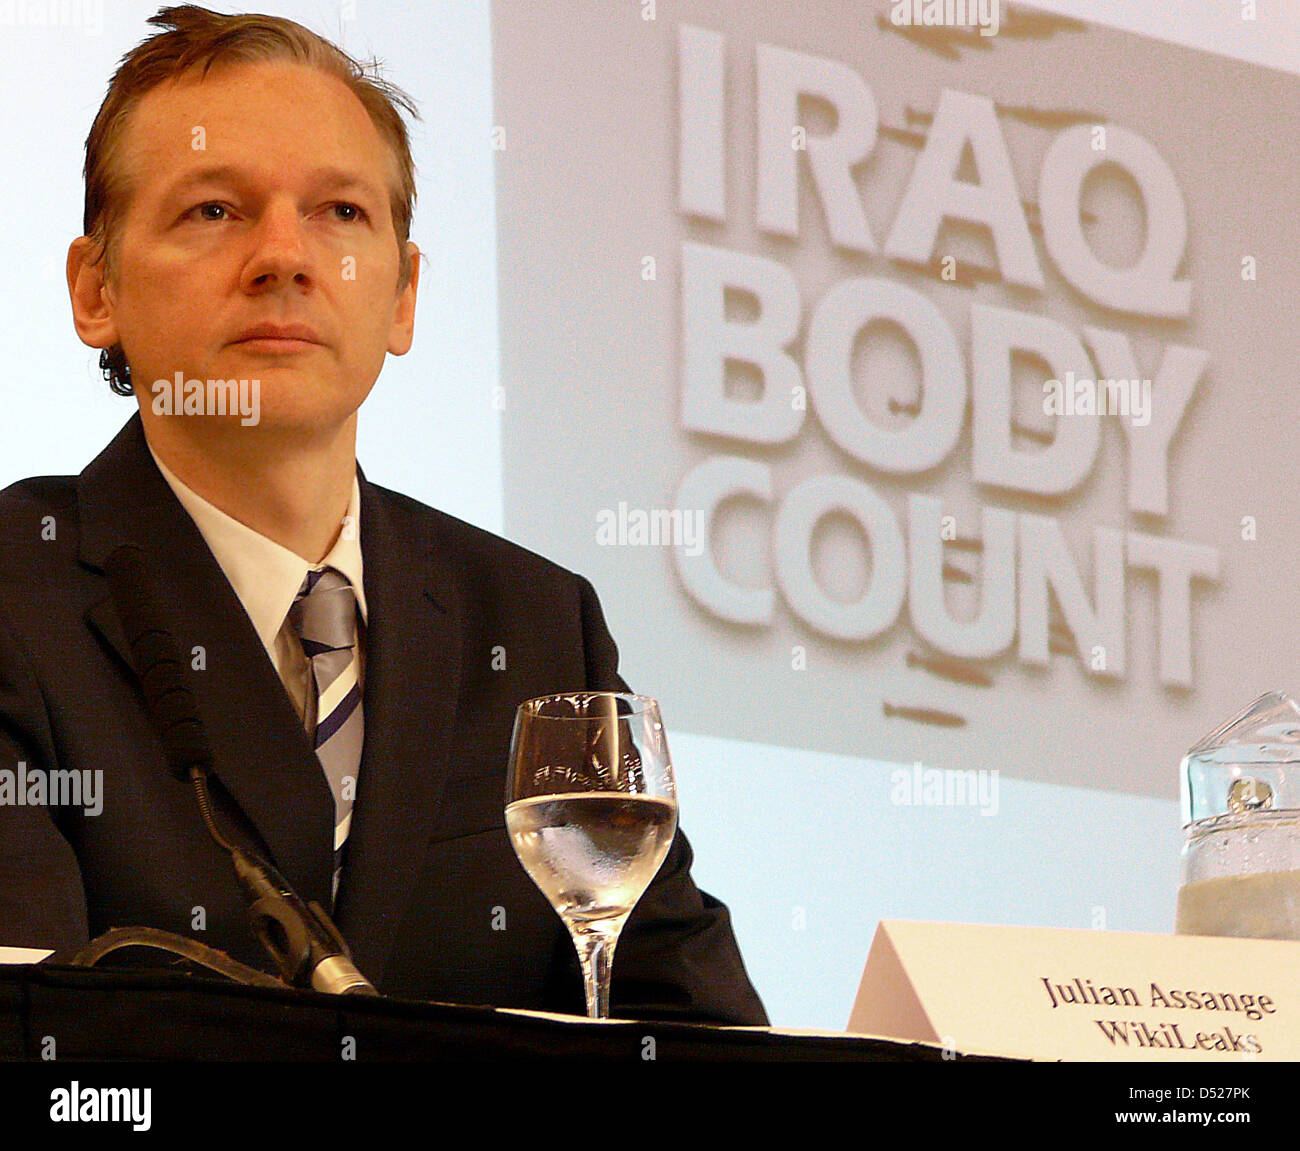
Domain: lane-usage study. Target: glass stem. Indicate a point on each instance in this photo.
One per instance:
(595, 946)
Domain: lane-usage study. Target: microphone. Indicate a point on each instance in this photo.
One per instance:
(300, 937)
(167, 695)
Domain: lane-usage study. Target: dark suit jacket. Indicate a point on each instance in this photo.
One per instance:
(433, 901)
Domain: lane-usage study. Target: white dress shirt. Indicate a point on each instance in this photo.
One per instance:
(267, 577)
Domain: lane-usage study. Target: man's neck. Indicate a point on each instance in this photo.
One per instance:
(293, 490)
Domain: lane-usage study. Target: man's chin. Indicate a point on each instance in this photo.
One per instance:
(258, 396)
(285, 423)
(253, 421)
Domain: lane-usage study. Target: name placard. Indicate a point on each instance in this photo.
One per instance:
(23, 954)
(1054, 993)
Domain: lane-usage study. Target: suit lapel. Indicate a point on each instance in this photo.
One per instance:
(414, 595)
(262, 755)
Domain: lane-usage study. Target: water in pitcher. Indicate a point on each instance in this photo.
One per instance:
(1241, 814)
(1244, 879)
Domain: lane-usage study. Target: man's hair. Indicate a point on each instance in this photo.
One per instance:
(198, 37)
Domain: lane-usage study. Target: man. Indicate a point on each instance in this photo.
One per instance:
(355, 656)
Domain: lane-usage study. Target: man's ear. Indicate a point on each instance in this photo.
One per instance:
(92, 306)
(402, 333)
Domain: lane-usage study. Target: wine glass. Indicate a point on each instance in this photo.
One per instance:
(591, 807)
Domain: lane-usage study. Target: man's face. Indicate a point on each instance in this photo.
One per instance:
(260, 195)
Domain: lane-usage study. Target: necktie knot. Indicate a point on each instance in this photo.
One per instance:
(324, 615)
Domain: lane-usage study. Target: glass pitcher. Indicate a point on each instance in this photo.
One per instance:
(1241, 815)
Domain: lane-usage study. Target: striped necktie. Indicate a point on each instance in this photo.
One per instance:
(324, 616)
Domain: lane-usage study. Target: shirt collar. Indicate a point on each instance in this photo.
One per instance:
(265, 575)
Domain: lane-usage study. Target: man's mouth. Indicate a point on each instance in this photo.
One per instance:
(278, 338)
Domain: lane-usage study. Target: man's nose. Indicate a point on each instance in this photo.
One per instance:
(279, 250)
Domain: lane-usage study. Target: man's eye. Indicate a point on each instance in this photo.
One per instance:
(215, 210)
(357, 212)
